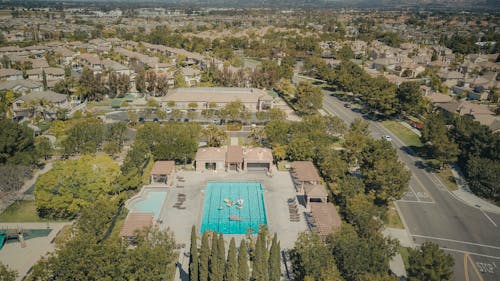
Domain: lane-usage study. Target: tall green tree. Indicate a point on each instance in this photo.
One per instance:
(382, 172)
(300, 149)
(216, 269)
(410, 98)
(221, 254)
(275, 260)
(312, 260)
(430, 263)
(356, 256)
(308, 98)
(193, 256)
(438, 143)
(215, 135)
(7, 274)
(204, 257)
(231, 270)
(483, 177)
(17, 145)
(260, 266)
(74, 184)
(243, 270)
(44, 80)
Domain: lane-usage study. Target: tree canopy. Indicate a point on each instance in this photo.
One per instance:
(73, 184)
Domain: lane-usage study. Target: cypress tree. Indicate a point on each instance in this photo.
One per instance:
(216, 268)
(260, 264)
(44, 80)
(243, 270)
(231, 270)
(274, 260)
(204, 258)
(193, 256)
(222, 253)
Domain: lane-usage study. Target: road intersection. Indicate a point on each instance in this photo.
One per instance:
(430, 212)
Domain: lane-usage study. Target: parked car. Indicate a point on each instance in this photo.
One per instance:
(347, 105)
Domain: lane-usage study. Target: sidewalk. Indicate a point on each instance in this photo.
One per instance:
(396, 264)
(463, 193)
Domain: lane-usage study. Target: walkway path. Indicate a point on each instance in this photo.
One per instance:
(6, 202)
(463, 193)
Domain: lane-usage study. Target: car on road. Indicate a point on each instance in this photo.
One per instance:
(387, 138)
(347, 105)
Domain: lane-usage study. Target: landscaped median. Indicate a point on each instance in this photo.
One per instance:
(410, 138)
(406, 135)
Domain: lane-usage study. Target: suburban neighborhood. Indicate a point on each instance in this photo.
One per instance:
(249, 141)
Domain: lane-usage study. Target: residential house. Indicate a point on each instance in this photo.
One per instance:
(21, 86)
(51, 73)
(46, 103)
(10, 74)
(114, 66)
(67, 55)
(92, 61)
(192, 76)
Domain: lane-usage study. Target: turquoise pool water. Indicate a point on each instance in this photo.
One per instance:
(217, 214)
(152, 203)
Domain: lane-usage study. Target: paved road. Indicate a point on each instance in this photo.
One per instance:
(431, 213)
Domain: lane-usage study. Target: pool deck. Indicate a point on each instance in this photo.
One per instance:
(22, 259)
(278, 189)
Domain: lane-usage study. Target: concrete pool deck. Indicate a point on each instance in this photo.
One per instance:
(278, 189)
(22, 259)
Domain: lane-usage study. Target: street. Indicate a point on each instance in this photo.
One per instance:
(430, 212)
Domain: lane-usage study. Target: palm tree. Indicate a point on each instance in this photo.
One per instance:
(215, 135)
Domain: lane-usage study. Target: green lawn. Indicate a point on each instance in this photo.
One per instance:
(405, 255)
(392, 218)
(404, 134)
(447, 178)
(21, 211)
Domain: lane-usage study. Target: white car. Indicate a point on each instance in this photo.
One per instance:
(387, 138)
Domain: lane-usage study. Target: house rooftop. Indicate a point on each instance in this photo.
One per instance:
(211, 153)
(49, 96)
(326, 218)
(234, 154)
(258, 154)
(163, 168)
(217, 94)
(305, 171)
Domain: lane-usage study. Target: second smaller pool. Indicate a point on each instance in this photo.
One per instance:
(150, 202)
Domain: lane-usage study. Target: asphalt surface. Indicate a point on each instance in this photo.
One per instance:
(432, 213)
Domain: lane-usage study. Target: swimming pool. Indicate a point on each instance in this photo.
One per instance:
(151, 201)
(223, 213)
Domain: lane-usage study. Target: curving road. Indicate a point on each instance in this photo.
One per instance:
(432, 213)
